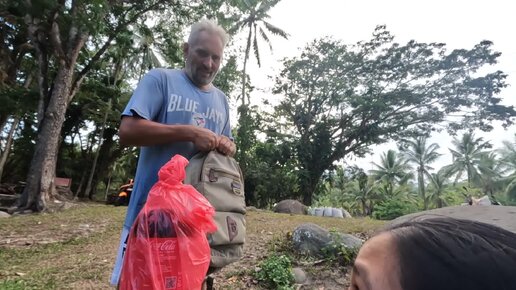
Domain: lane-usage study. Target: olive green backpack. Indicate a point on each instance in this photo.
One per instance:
(219, 179)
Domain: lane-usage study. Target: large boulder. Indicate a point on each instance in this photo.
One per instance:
(312, 240)
(329, 212)
(290, 206)
(3, 214)
(501, 216)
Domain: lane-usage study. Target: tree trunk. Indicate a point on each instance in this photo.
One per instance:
(10, 137)
(246, 57)
(80, 193)
(3, 121)
(40, 179)
(96, 158)
(421, 181)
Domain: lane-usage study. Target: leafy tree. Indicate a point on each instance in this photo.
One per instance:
(339, 99)
(466, 156)
(421, 154)
(69, 40)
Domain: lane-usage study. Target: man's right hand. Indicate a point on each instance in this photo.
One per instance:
(204, 139)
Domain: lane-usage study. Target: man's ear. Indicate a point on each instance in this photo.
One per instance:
(185, 49)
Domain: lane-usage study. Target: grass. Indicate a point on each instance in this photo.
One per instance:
(76, 248)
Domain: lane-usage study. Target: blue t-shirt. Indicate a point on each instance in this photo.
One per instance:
(168, 96)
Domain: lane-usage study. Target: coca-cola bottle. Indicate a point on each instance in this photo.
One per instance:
(153, 254)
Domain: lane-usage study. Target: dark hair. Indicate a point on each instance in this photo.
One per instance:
(442, 253)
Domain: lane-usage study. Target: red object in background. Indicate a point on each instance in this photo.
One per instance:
(167, 246)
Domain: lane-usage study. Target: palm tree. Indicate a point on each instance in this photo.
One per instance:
(490, 172)
(364, 192)
(254, 20)
(438, 182)
(466, 156)
(393, 169)
(508, 164)
(418, 152)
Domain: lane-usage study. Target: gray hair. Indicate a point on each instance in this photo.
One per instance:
(211, 27)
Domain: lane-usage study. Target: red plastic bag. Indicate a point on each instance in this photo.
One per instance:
(167, 246)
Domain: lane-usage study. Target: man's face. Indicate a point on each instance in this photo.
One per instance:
(203, 58)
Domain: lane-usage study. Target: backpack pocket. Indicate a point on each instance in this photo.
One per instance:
(224, 190)
(230, 229)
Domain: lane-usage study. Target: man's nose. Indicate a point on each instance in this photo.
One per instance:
(207, 62)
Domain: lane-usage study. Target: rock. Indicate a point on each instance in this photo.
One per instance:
(501, 216)
(3, 214)
(290, 206)
(299, 275)
(329, 212)
(311, 239)
(251, 208)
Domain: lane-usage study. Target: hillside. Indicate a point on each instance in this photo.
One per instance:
(75, 249)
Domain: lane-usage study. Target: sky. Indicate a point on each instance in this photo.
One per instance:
(458, 23)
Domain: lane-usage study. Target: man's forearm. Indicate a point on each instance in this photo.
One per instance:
(135, 131)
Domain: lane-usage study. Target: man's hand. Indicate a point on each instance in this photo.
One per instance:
(205, 140)
(226, 146)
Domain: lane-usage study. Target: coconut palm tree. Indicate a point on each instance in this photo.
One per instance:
(254, 21)
(438, 184)
(466, 156)
(508, 164)
(418, 152)
(490, 173)
(393, 169)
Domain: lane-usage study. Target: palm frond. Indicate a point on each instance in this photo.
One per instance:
(275, 30)
(265, 37)
(255, 47)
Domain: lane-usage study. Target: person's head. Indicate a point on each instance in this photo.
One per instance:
(437, 253)
(203, 52)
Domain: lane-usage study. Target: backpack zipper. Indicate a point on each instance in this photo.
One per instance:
(236, 186)
(212, 177)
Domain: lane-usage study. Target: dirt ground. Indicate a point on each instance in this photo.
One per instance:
(75, 249)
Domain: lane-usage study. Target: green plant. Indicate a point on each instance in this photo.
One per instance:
(393, 208)
(337, 252)
(276, 273)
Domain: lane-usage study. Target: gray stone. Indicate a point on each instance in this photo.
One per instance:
(311, 239)
(290, 206)
(299, 275)
(3, 214)
(501, 216)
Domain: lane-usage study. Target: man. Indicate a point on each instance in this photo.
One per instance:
(176, 112)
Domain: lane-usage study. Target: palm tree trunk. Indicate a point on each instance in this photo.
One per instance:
(95, 159)
(10, 137)
(246, 57)
(421, 181)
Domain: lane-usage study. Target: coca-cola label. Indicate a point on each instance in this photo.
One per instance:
(168, 246)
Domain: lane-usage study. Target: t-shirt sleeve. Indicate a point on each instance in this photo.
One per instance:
(147, 98)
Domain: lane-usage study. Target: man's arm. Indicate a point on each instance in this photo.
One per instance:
(137, 131)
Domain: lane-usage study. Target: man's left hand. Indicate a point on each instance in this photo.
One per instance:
(226, 146)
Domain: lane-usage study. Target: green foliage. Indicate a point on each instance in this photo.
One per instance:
(393, 208)
(467, 152)
(340, 99)
(276, 272)
(337, 252)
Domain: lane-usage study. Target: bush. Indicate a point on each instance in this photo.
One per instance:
(393, 208)
(276, 273)
(337, 252)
